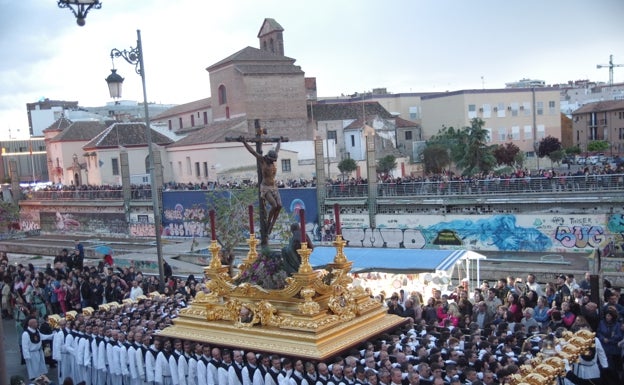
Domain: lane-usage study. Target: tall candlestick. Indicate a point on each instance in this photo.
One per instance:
(213, 230)
(251, 220)
(303, 224)
(337, 218)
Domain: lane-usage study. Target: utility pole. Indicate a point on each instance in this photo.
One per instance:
(259, 139)
(610, 66)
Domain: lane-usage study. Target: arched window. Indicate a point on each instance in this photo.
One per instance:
(222, 94)
(272, 46)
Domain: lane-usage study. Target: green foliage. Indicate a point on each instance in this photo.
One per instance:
(347, 166)
(232, 217)
(386, 164)
(506, 154)
(598, 146)
(557, 156)
(436, 158)
(520, 158)
(548, 145)
(9, 213)
(468, 147)
(574, 150)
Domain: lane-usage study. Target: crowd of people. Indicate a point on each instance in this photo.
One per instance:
(469, 336)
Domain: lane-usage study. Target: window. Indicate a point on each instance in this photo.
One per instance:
(205, 117)
(331, 135)
(487, 111)
(188, 166)
(352, 140)
(180, 123)
(197, 171)
(169, 124)
(206, 169)
(528, 132)
(502, 134)
(222, 95)
(515, 133)
(514, 109)
(115, 166)
(180, 167)
(192, 120)
(286, 165)
(540, 108)
(551, 107)
(488, 136)
(408, 135)
(414, 113)
(541, 132)
(272, 45)
(526, 107)
(472, 111)
(500, 110)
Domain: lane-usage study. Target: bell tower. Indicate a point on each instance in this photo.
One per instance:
(271, 37)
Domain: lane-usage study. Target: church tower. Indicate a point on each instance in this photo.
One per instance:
(271, 37)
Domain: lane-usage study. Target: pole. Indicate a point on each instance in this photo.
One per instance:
(32, 160)
(155, 188)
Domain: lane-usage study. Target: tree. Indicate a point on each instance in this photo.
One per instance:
(9, 215)
(476, 156)
(557, 156)
(232, 218)
(598, 146)
(347, 166)
(436, 158)
(574, 150)
(506, 154)
(386, 164)
(547, 145)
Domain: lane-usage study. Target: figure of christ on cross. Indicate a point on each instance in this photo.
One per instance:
(268, 187)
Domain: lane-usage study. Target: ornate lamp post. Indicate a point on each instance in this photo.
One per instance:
(135, 56)
(80, 8)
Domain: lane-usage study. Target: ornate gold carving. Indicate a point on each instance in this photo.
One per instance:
(310, 306)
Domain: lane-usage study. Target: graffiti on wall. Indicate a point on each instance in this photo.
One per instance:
(83, 222)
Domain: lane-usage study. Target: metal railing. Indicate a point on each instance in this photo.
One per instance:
(582, 183)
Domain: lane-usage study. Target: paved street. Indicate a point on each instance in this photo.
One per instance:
(12, 353)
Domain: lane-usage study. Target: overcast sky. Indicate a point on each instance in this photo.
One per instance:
(349, 46)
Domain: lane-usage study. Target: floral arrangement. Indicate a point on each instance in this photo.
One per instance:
(266, 271)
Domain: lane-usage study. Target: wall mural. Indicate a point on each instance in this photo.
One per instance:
(83, 222)
(185, 216)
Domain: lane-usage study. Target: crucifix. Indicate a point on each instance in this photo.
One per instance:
(268, 193)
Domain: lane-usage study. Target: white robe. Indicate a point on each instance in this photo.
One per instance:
(162, 370)
(183, 369)
(150, 366)
(213, 373)
(233, 377)
(192, 371)
(33, 354)
(202, 372)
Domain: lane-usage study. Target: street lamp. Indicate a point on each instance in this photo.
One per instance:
(80, 8)
(135, 56)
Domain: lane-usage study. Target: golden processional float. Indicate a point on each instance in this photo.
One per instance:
(316, 315)
(554, 358)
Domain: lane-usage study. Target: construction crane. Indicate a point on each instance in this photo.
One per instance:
(611, 66)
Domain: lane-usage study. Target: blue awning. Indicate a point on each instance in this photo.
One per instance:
(394, 260)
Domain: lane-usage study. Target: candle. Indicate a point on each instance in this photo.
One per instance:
(303, 224)
(251, 220)
(213, 230)
(337, 218)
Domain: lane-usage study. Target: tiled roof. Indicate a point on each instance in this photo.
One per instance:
(251, 54)
(80, 131)
(201, 104)
(401, 123)
(126, 135)
(279, 69)
(215, 133)
(59, 125)
(272, 26)
(605, 105)
(345, 111)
